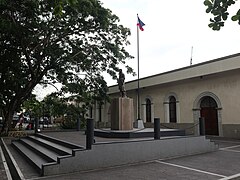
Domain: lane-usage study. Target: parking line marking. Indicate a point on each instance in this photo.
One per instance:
(229, 147)
(234, 142)
(230, 150)
(231, 177)
(192, 169)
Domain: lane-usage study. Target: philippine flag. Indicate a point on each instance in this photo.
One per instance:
(140, 24)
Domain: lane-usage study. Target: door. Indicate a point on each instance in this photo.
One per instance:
(209, 112)
(211, 122)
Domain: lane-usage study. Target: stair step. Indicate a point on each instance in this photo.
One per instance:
(30, 155)
(60, 148)
(61, 142)
(41, 150)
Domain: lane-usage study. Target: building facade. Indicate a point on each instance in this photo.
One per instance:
(180, 97)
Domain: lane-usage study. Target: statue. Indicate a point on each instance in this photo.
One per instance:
(121, 84)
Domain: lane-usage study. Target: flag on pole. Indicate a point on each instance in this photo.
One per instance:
(140, 24)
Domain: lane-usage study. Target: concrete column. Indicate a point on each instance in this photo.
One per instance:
(178, 112)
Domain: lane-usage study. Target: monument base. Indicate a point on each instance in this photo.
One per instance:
(136, 133)
(138, 124)
(122, 114)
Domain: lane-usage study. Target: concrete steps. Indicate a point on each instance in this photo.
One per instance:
(41, 150)
(59, 149)
(52, 156)
(33, 157)
(109, 154)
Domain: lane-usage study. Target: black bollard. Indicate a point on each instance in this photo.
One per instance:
(78, 124)
(36, 121)
(202, 126)
(156, 128)
(89, 133)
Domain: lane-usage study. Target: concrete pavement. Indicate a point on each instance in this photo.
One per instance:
(222, 164)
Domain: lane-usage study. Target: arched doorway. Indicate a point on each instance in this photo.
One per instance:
(208, 110)
(148, 110)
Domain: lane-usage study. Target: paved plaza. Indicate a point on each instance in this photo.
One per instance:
(222, 164)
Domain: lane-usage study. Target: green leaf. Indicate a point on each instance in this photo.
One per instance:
(235, 18)
(207, 3)
(211, 25)
(224, 16)
(238, 13)
(209, 9)
(221, 24)
(217, 18)
(58, 10)
(216, 27)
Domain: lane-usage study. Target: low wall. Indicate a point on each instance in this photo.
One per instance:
(231, 131)
(189, 128)
(113, 154)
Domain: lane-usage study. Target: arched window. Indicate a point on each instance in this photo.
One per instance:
(208, 102)
(172, 110)
(148, 110)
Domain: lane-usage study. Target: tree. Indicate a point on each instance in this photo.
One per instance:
(46, 43)
(56, 106)
(219, 9)
(68, 109)
(32, 107)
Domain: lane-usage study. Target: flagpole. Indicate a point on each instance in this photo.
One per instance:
(138, 89)
(191, 56)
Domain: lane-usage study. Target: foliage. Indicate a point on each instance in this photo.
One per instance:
(64, 41)
(69, 123)
(55, 105)
(219, 9)
(66, 107)
(32, 107)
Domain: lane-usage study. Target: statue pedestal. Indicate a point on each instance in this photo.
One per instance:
(122, 114)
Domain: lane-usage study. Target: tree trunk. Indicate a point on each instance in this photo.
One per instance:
(8, 119)
(16, 102)
(8, 113)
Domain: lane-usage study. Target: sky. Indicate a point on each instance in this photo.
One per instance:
(171, 29)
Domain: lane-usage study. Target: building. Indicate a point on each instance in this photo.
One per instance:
(180, 97)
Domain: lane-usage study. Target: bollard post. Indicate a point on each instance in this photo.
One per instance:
(89, 133)
(156, 128)
(78, 124)
(36, 121)
(202, 126)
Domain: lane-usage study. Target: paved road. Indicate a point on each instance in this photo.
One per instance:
(222, 164)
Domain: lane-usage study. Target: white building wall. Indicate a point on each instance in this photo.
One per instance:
(220, 78)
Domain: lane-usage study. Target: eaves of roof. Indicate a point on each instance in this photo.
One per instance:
(219, 65)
